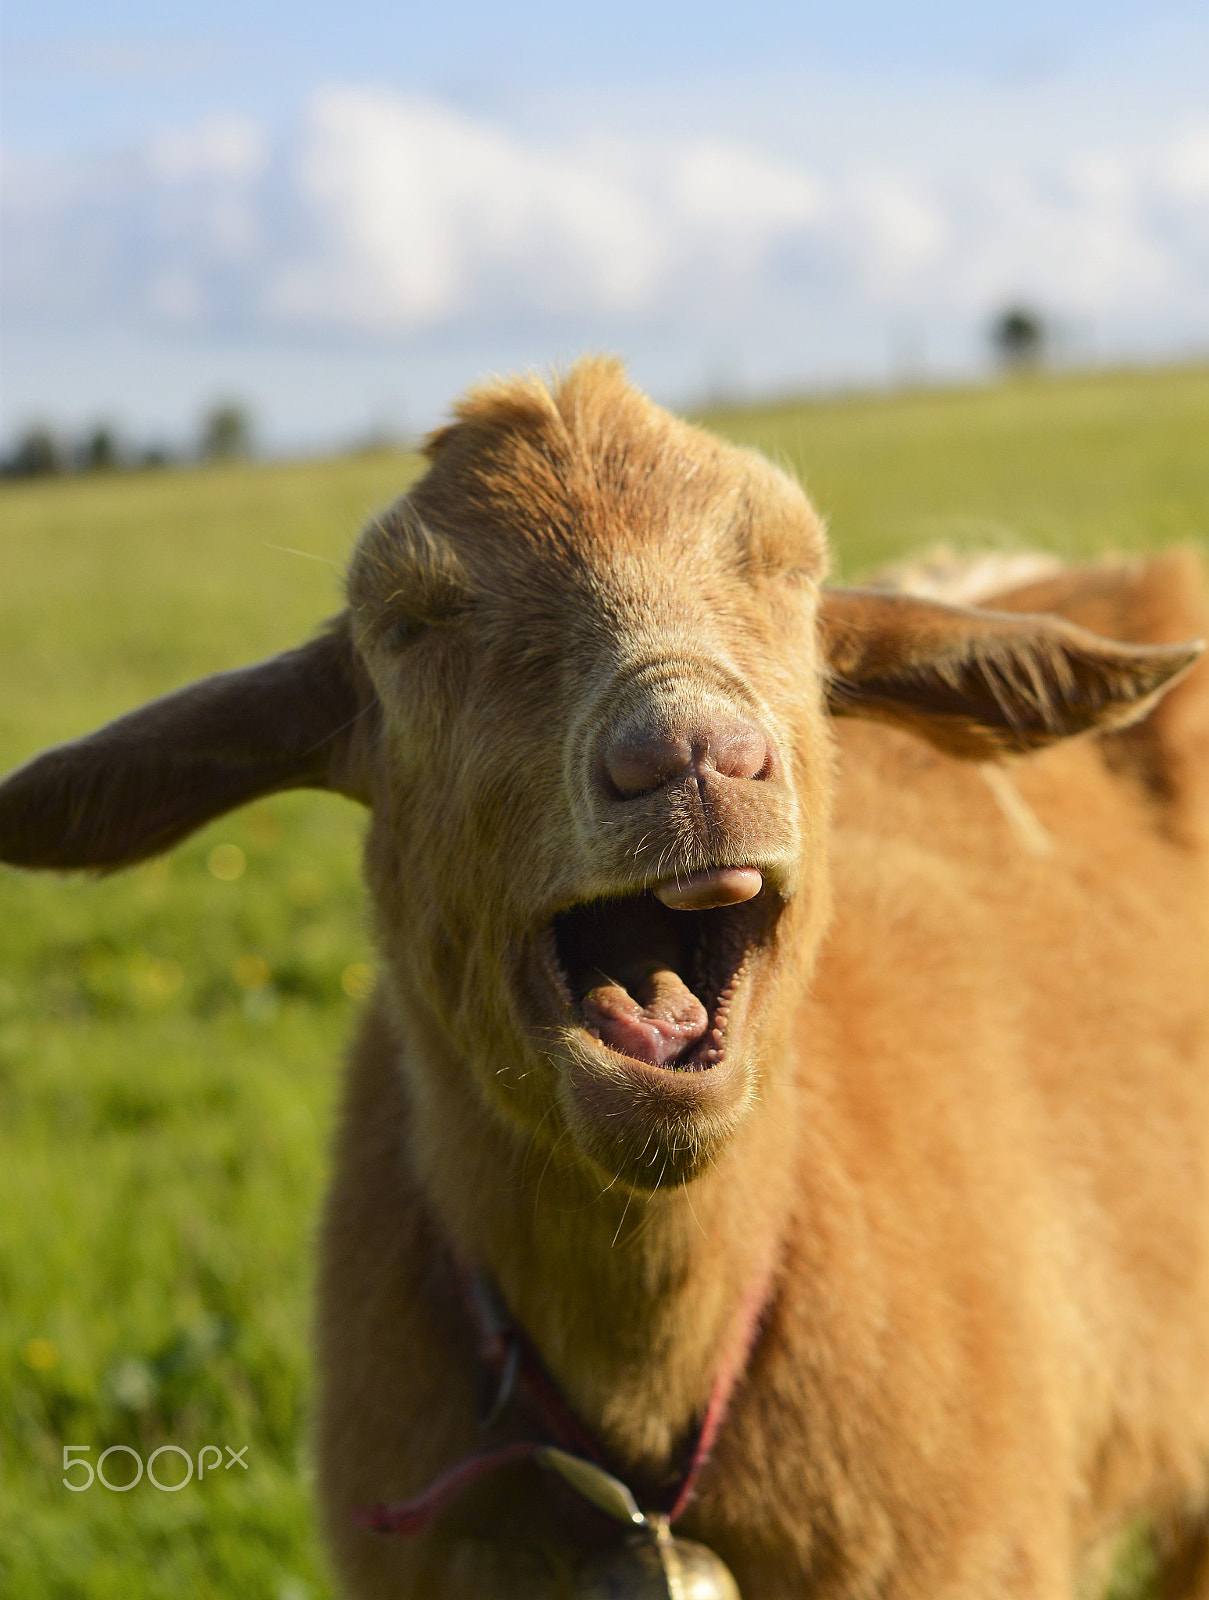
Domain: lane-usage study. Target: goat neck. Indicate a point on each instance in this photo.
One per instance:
(631, 1300)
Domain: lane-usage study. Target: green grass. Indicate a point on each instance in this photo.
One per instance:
(1077, 464)
(169, 1043)
(169, 1038)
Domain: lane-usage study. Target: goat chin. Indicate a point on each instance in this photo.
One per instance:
(826, 962)
(647, 1127)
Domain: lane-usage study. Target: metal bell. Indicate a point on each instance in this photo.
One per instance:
(651, 1564)
(656, 1568)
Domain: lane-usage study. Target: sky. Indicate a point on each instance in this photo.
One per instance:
(343, 216)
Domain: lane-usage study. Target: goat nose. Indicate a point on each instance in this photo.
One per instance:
(640, 760)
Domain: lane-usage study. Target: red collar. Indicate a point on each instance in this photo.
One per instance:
(510, 1367)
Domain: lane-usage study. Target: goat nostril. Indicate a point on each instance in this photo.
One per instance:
(741, 751)
(643, 760)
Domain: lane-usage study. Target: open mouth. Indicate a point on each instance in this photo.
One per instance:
(653, 982)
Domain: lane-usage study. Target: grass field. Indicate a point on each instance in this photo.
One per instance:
(169, 1038)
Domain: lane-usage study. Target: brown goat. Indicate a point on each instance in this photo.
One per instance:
(726, 963)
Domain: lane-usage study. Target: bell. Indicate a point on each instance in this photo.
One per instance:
(651, 1564)
(655, 1568)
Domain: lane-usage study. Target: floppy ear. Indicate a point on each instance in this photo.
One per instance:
(979, 683)
(304, 719)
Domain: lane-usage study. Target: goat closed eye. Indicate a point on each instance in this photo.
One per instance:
(402, 632)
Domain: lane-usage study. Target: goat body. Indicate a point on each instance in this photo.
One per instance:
(737, 930)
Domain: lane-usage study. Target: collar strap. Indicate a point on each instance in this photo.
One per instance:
(509, 1366)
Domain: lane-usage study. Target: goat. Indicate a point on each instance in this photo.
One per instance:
(728, 1024)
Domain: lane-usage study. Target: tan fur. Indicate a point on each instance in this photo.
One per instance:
(965, 1112)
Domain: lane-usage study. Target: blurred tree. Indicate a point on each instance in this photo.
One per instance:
(226, 432)
(1019, 336)
(37, 454)
(100, 449)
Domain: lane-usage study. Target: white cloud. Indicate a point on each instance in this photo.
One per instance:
(382, 214)
(724, 187)
(225, 148)
(416, 214)
(898, 234)
(1188, 165)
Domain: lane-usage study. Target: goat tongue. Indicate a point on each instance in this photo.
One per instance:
(660, 1021)
(715, 886)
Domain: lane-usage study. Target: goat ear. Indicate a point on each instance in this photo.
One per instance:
(979, 683)
(304, 719)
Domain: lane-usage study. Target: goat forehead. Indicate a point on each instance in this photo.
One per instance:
(636, 480)
(555, 513)
(598, 549)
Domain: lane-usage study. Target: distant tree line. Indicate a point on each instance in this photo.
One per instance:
(1020, 337)
(225, 434)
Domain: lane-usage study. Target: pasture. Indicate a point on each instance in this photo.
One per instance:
(169, 1038)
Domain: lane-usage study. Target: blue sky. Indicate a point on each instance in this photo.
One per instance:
(344, 215)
